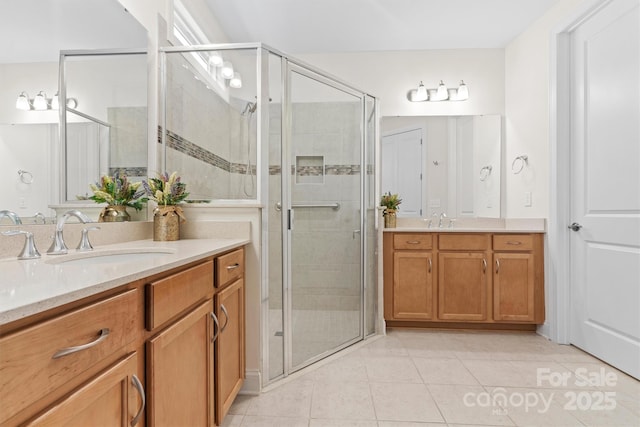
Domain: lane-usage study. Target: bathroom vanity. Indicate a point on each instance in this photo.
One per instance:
(95, 337)
(491, 278)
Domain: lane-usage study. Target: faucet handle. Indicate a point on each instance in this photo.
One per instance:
(29, 251)
(85, 244)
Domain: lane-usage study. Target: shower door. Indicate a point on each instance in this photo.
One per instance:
(323, 216)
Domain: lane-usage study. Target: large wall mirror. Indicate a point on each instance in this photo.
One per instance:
(443, 164)
(31, 154)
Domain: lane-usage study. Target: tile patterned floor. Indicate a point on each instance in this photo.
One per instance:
(413, 378)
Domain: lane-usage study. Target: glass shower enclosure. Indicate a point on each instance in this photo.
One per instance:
(301, 145)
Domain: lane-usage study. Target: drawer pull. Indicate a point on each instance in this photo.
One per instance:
(216, 327)
(233, 267)
(514, 243)
(497, 266)
(226, 314)
(104, 333)
(484, 265)
(430, 264)
(413, 242)
(138, 385)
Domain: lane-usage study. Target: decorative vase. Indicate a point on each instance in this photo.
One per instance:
(166, 223)
(390, 218)
(114, 213)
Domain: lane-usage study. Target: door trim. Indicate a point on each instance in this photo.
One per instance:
(558, 253)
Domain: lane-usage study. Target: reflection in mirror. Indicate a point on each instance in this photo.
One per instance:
(211, 122)
(107, 130)
(443, 164)
(29, 140)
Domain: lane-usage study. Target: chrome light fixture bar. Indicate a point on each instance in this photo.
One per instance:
(41, 102)
(441, 93)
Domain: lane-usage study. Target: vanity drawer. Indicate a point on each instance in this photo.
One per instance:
(464, 242)
(412, 241)
(31, 360)
(512, 242)
(174, 294)
(229, 267)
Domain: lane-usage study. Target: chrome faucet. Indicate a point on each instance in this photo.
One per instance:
(442, 216)
(39, 215)
(433, 215)
(57, 246)
(29, 251)
(11, 215)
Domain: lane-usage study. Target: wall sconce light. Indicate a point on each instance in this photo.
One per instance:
(41, 102)
(441, 93)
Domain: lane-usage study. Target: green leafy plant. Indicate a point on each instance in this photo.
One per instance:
(391, 202)
(166, 190)
(119, 191)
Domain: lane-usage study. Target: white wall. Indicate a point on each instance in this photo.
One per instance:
(389, 75)
(527, 113)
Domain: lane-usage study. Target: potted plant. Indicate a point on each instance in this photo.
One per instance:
(119, 193)
(168, 192)
(391, 203)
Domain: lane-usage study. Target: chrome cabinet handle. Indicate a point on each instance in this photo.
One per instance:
(104, 333)
(216, 327)
(497, 266)
(514, 243)
(430, 264)
(138, 385)
(413, 242)
(484, 265)
(233, 267)
(226, 314)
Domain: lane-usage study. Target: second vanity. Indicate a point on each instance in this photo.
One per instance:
(104, 336)
(487, 275)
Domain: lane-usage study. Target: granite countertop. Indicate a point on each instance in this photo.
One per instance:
(470, 225)
(29, 287)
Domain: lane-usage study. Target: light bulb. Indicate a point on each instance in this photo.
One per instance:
(442, 93)
(421, 93)
(236, 81)
(463, 92)
(22, 103)
(215, 60)
(40, 101)
(227, 70)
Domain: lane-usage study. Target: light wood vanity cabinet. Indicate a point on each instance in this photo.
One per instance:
(143, 353)
(460, 279)
(230, 344)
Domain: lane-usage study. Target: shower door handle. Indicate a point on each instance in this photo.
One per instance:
(290, 219)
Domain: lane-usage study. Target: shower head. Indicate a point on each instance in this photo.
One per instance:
(250, 108)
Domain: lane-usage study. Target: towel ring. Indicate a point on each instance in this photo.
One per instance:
(25, 176)
(485, 172)
(516, 167)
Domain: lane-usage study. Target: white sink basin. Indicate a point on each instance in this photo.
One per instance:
(110, 256)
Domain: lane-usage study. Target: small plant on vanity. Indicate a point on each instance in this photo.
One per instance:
(118, 193)
(168, 191)
(391, 203)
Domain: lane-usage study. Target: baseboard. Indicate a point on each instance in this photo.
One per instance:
(252, 382)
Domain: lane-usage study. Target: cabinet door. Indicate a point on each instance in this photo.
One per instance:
(513, 287)
(413, 285)
(229, 345)
(113, 398)
(462, 286)
(180, 371)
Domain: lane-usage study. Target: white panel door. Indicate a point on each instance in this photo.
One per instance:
(605, 186)
(402, 170)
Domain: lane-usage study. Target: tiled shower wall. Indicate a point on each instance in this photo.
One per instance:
(207, 137)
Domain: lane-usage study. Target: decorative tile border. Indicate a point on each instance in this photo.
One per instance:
(128, 170)
(178, 143)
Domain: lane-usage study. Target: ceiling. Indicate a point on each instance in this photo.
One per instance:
(37, 30)
(326, 26)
